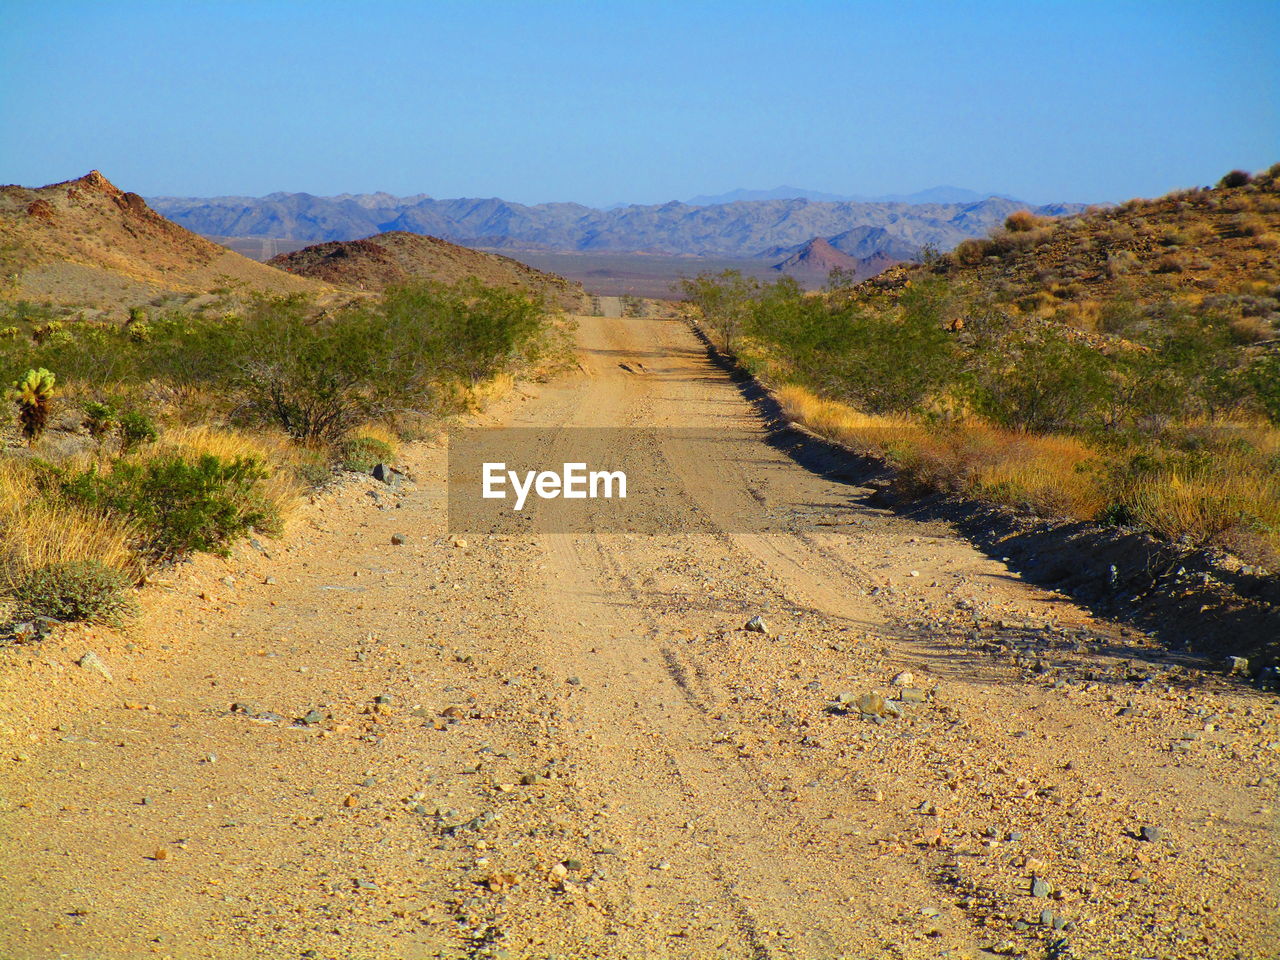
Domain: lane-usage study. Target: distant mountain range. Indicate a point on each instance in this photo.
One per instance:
(932, 195)
(766, 228)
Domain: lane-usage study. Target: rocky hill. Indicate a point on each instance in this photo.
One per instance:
(743, 229)
(1214, 248)
(813, 263)
(86, 242)
(388, 258)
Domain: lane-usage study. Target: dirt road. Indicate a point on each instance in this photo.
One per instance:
(568, 745)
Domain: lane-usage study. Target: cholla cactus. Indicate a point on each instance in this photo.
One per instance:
(34, 396)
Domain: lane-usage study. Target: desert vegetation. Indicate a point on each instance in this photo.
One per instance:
(1061, 366)
(137, 442)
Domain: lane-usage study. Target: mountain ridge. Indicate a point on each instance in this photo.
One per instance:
(939, 194)
(377, 262)
(87, 241)
(746, 229)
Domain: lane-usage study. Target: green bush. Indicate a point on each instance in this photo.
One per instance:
(135, 429)
(1263, 377)
(182, 506)
(320, 380)
(317, 374)
(79, 590)
(1041, 381)
(726, 301)
(362, 454)
(100, 419)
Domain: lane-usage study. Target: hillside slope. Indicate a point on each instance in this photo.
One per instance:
(742, 229)
(1213, 248)
(86, 242)
(376, 262)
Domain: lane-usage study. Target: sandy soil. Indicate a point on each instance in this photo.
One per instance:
(568, 746)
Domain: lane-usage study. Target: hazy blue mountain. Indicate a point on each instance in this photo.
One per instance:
(932, 195)
(743, 228)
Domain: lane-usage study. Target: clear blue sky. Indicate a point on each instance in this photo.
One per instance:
(625, 101)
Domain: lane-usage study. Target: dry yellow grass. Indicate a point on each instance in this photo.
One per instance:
(1046, 473)
(281, 488)
(490, 391)
(379, 432)
(35, 532)
(1237, 502)
(840, 422)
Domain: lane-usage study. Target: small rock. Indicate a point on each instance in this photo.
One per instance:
(384, 473)
(904, 679)
(399, 539)
(872, 704)
(756, 625)
(1237, 665)
(94, 664)
(1151, 833)
(912, 695)
(1039, 887)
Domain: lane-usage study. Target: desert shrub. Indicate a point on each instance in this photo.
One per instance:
(75, 591)
(1041, 381)
(1250, 329)
(313, 471)
(134, 429)
(1236, 178)
(1120, 262)
(1248, 225)
(318, 379)
(881, 361)
(1022, 221)
(181, 505)
(1195, 491)
(362, 454)
(970, 252)
(1263, 378)
(100, 419)
(725, 301)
